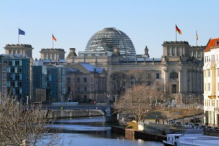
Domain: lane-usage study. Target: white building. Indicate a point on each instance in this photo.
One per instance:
(211, 82)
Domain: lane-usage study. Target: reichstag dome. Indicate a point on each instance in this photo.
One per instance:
(108, 38)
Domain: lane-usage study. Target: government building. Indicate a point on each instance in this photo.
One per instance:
(179, 69)
(86, 75)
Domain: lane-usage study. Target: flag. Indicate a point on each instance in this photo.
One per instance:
(53, 38)
(179, 31)
(20, 32)
(196, 36)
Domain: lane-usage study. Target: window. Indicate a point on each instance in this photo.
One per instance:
(78, 80)
(173, 75)
(178, 51)
(209, 74)
(174, 52)
(85, 80)
(85, 89)
(168, 51)
(78, 89)
(68, 80)
(69, 89)
(16, 62)
(157, 75)
(209, 86)
(173, 88)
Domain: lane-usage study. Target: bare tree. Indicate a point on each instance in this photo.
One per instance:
(118, 82)
(137, 77)
(138, 101)
(18, 123)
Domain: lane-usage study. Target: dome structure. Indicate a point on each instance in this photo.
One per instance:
(108, 38)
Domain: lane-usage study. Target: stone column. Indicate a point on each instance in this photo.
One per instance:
(190, 81)
(180, 81)
(194, 81)
(171, 51)
(166, 77)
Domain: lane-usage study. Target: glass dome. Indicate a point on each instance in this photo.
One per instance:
(108, 38)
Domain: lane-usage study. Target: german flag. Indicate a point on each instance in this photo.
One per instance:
(179, 31)
(53, 38)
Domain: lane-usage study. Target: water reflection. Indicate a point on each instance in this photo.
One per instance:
(93, 132)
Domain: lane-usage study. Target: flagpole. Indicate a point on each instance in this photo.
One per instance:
(176, 33)
(196, 38)
(52, 43)
(176, 36)
(18, 39)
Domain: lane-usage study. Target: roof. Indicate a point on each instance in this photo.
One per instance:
(91, 68)
(19, 45)
(211, 44)
(175, 42)
(83, 68)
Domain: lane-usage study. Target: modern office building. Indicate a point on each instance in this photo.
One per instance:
(51, 78)
(18, 77)
(211, 82)
(3, 78)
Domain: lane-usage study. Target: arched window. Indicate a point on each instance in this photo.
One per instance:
(173, 75)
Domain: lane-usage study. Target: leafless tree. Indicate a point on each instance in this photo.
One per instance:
(118, 82)
(138, 101)
(18, 123)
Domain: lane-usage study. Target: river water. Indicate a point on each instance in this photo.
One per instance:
(94, 131)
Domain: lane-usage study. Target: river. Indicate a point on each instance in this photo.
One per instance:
(93, 131)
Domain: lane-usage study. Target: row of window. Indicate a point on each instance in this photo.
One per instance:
(211, 102)
(208, 86)
(79, 80)
(212, 58)
(173, 51)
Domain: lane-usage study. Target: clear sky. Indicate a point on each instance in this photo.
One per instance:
(73, 22)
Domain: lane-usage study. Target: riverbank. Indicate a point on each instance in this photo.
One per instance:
(73, 113)
(134, 134)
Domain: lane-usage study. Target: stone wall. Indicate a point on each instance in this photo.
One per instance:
(74, 113)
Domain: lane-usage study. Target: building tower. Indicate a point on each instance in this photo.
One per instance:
(19, 49)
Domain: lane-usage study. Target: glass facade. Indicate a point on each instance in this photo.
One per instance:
(108, 38)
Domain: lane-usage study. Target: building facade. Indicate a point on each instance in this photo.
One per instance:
(51, 78)
(86, 83)
(179, 69)
(211, 83)
(52, 54)
(18, 77)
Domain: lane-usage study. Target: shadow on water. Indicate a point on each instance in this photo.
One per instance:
(95, 131)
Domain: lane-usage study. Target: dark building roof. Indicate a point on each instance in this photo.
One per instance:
(19, 45)
(175, 42)
(52, 49)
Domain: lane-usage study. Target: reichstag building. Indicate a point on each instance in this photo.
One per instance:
(179, 69)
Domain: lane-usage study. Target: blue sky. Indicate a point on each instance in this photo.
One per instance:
(73, 22)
